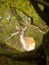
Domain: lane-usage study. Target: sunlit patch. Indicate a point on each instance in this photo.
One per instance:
(2, 20)
(8, 17)
(0, 17)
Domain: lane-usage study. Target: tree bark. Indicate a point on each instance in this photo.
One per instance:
(43, 14)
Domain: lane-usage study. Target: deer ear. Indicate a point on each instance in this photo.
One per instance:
(24, 28)
(17, 28)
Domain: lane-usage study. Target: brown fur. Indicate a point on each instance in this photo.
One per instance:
(29, 41)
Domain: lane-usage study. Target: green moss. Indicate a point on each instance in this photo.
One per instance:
(7, 27)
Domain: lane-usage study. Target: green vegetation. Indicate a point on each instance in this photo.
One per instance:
(8, 22)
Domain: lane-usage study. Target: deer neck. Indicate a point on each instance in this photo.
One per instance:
(22, 40)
